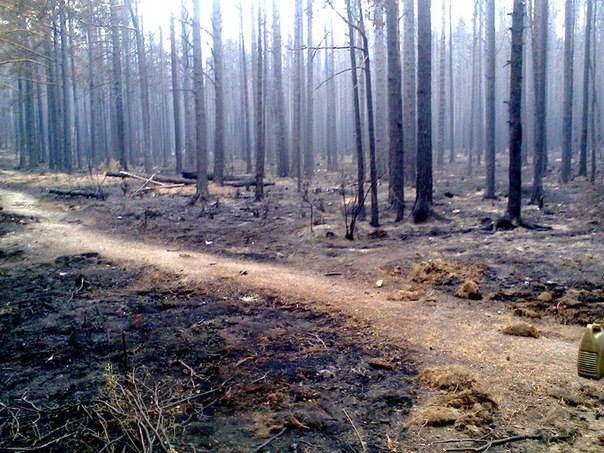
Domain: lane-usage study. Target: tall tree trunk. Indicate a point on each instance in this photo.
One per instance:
(451, 91)
(260, 110)
(515, 114)
(586, 102)
(410, 91)
(375, 213)
(92, 61)
(490, 104)
(442, 101)
(176, 98)
(395, 108)
(245, 98)
(298, 115)
(117, 84)
(474, 89)
(567, 122)
(200, 114)
(309, 153)
(540, 62)
(219, 92)
(423, 203)
(76, 103)
(331, 110)
(357, 116)
(381, 99)
(144, 88)
(67, 159)
(282, 151)
(188, 98)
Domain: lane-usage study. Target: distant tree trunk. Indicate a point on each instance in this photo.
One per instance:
(117, 84)
(451, 91)
(66, 162)
(189, 104)
(76, 103)
(331, 110)
(357, 116)
(442, 101)
(93, 98)
(381, 99)
(423, 203)
(490, 104)
(176, 98)
(298, 115)
(245, 98)
(540, 63)
(395, 108)
(594, 101)
(144, 88)
(53, 102)
(309, 154)
(410, 91)
(586, 102)
(474, 88)
(515, 115)
(260, 110)
(219, 91)
(567, 125)
(375, 213)
(282, 150)
(200, 115)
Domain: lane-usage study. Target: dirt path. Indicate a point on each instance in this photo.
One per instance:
(438, 328)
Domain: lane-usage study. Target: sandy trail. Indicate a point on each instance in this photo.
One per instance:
(448, 331)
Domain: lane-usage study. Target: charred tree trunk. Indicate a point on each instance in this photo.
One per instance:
(567, 126)
(260, 110)
(200, 114)
(117, 84)
(423, 203)
(282, 149)
(514, 207)
(309, 154)
(586, 100)
(490, 104)
(395, 108)
(219, 91)
(410, 91)
(176, 98)
(298, 116)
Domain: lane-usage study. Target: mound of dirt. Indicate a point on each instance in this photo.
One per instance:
(469, 290)
(465, 402)
(441, 272)
(521, 329)
(452, 377)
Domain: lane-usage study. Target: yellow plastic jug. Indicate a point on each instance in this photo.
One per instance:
(591, 353)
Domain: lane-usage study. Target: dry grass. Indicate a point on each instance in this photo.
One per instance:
(451, 377)
(521, 329)
(441, 272)
(469, 290)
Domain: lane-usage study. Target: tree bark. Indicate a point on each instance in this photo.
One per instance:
(200, 114)
(567, 122)
(176, 98)
(219, 92)
(586, 100)
(490, 104)
(410, 92)
(395, 108)
(260, 110)
(423, 203)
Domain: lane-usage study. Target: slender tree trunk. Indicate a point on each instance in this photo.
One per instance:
(67, 130)
(540, 62)
(395, 108)
(331, 110)
(219, 91)
(309, 153)
(282, 150)
(490, 104)
(375, 213)
(92, 61)
(144, 88)
(200, 114)
(410, 92)
(423, 203)
(298, 115)
(176, 98)
(567, 122)
(451, 91)
(260, 110)
(189, 106)
(586, 102)
(245, 98)
(357, 116)
(442, 101)
(515, 115)
(76, 103)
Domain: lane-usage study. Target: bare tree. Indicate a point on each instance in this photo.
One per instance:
(490, 104)
(200, 114)
(218, 54)
(176, 98)
(395, 107)
(282, 150)
(260, 109)
(513, 213)
(410, 91)
(567, 127)
(423, 202)
(586, 102)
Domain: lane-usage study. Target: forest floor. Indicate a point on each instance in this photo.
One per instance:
(245, 326)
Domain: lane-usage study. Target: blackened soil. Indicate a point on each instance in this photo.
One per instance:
(269, 365)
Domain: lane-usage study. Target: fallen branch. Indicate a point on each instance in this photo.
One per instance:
(356, 431)
(488, 444)
(157, 180)
(77, 193)
(276, 436)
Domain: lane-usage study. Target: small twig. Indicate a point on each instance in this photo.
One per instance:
(488, 444)
(276, 436)
(356, 431)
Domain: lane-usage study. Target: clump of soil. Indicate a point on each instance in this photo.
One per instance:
(452, 377)
(261, 365)
(521, 329)
(464, 402)
(441, 272)
(12, 222)
(469, 290)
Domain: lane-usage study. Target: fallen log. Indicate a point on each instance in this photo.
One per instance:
(156, 179)
(193, 175)
(77, 193)
(247, 183)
